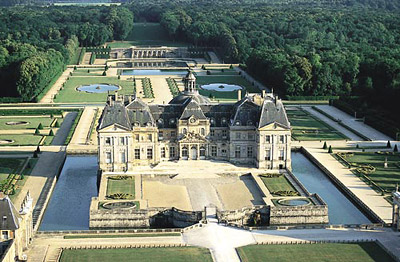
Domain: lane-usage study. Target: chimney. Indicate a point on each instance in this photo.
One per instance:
(130, 99)
(263, 93)
(276, 99)
(239, 94)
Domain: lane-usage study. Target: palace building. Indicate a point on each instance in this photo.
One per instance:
(252, 131)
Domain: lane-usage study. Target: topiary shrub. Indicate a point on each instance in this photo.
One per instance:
(51, 133)
(325, 146)
(388, 145)
(56, 124)
(40, 126)
(330, 151)
(395, 149)
(37, 132)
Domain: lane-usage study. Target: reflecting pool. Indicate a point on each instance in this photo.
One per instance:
(97, 88)
(340, 209)
(68, 208)
(144, 72)
(220, 87)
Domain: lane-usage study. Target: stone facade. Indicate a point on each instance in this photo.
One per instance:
(396, 209)
(255, 131)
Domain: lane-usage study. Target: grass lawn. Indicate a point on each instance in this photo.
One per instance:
(92, 72)
(275, 184)
(307, 127)
(21, 140)
(10, 165)
(224, 72)
(387, 178)
(147, 34)
(75, 59)
(33, 122)
(357, 252)
(171, 234)
(70, 94)
(225, 79)
(26, 172)
(172, 254)
(123, 186)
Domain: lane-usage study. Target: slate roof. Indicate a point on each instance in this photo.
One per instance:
(251, 111)
(8, 215)
(186, 97)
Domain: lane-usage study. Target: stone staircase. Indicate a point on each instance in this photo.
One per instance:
(53, 255)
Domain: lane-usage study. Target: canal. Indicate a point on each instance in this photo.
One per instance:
(340, 209)
(68, 208)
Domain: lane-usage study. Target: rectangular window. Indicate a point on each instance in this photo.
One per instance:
(281, 139)
(237, 136)
(122, 141)
(268, 139)
(137, 153)
(4, 235)
(123, 157)
(108, 141)
(251, 136)
(108, 157)
(249, 151)
(223, 152)
(150, 137)
(281, 155)
(137, 137)
(267, 154)
(171, 151)
(150, 153)
(163, 152)
(212, 133)
(213, 150)
(173, 133)
(224, 133)
(160, 135)
(237, 151)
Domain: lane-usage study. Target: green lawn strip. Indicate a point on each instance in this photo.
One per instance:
(215, 72)
(386, 178)
(9, 166)
(167, 254)
(229, 79)
(26, 172)
(275, 184)
(307, 127)
(123, 186)
(148, 31)
(21, 140)
(75, 58)
(92, 72)
(127, 44)
(33, 122)
(70, 94)
(354, 252)
(170, 234)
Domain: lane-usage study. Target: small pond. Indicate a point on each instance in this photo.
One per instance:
(97, 88)
(144, 72)
(294, 202)
(221, 87)
(340, 209)
(68, 208)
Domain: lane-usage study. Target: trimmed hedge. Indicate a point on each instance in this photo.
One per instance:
(311, 98)
(10, 99)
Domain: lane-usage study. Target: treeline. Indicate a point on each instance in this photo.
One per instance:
(36, 43)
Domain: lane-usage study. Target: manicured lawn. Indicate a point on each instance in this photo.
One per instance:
(124, 235)
(386, 178)
(307, 127)
(22, 140)
(275, 184)
(33, 122)
(70, 94)
(173, 254)
(222, 72)
(125, 186)
(26, 172)
(92, 72)
(10, 165)
(357, 252)
(147, 34)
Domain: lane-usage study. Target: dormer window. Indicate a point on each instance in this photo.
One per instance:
(223, 121)
(237, 123)
(172, 121)
(249, 123)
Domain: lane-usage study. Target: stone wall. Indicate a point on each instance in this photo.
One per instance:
(144, 218)
(299, 215)
(247, 216)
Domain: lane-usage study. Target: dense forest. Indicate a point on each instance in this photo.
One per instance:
(36, 43)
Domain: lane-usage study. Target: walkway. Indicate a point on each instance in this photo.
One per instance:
(367, 195)
(63, 131)
(352, 122)
(82, 130)
(214, 58)
(162, 94)
(48, 97)
(333, 124)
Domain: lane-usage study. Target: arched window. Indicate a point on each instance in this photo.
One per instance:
(184, 151)
(184, 131)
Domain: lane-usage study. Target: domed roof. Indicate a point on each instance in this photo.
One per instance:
(186, 97)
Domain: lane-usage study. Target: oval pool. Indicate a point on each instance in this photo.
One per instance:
(97, 88)
(220, 87)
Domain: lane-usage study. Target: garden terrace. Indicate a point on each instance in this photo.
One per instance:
(369, 166)
(166, 254)
(307, 127)
(355, 252)
(278, 185)
(120, 187)
(70, 94)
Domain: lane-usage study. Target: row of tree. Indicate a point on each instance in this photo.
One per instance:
(36, 43)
